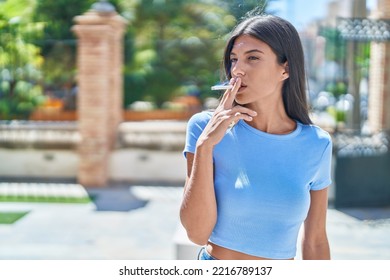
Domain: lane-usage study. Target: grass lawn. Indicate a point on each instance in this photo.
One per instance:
(11, 217)
(42, 192)
(52, 199)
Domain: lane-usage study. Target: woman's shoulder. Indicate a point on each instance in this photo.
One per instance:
(200, 118)
(315, 132)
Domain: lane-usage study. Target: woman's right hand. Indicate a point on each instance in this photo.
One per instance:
(225, 115)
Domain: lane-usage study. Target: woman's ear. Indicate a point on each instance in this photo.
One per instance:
(286, 72)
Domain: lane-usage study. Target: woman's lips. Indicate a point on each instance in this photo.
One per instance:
(242, 87)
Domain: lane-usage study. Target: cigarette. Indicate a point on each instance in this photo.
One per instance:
(221, 87)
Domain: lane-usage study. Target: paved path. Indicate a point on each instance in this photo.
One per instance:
(139, 222)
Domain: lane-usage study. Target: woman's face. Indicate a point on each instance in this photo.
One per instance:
(256, 64)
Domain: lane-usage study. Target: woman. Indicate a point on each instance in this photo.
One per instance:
(256, 167)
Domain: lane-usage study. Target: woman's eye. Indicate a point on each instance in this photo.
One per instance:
(232, 60)
(253, 58)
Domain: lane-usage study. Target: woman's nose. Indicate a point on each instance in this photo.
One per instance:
(237, 69)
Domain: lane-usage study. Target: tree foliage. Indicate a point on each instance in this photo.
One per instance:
(58, 43)
(335, 46)
(20, 61)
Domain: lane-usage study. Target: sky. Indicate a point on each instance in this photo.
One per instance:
(299, 12)
(302, 12)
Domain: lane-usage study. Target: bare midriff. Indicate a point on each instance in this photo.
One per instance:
(222, 253)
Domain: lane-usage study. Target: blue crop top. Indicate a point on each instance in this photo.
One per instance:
(262, 184)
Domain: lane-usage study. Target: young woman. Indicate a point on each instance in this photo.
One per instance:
(257, 168)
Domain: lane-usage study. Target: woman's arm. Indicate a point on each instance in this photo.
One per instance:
(315, 245)
(198, 212)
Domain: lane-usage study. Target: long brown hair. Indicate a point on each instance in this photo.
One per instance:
(284, 40)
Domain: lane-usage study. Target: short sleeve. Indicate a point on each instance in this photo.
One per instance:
(323, 177)
(195, 127)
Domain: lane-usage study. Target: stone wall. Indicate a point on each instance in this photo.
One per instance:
(143, 152)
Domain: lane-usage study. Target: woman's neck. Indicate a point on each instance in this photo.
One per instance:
(271, 118)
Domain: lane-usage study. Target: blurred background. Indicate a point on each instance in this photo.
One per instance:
(94, 101)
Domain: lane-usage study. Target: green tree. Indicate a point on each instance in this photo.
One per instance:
(20, 61)
(58, 44)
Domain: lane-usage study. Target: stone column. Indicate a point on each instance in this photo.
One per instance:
(99, 62)
(358, 10)
(379, 87)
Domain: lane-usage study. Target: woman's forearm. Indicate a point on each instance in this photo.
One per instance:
(319, 251)
(198, 211)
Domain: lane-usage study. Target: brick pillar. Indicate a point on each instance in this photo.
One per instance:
(99, 62)
(379, 88)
